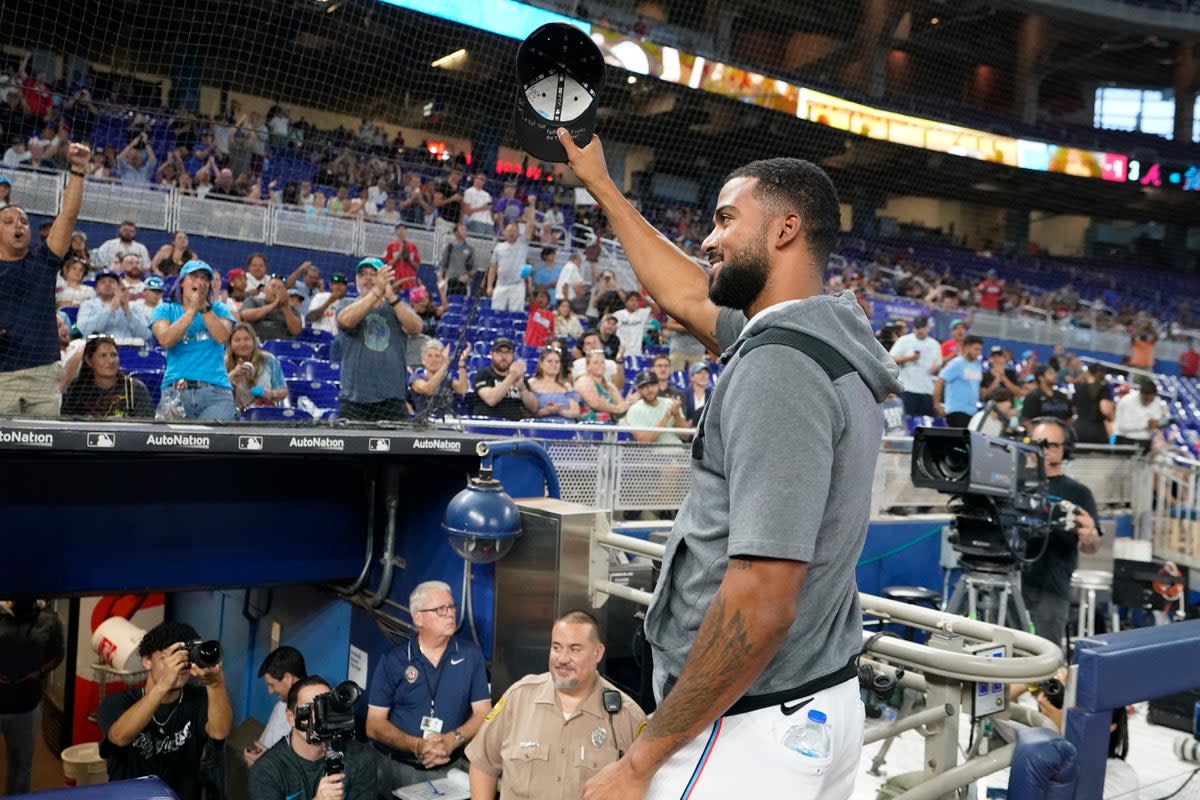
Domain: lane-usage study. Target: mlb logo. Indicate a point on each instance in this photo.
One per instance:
(106, 440)
(379, 445)
(250, 443)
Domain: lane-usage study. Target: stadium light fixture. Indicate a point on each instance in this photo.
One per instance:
(449, 60)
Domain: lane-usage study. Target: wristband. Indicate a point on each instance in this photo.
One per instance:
(394, 302)
(206, 309)
(458, 737)
(78, 172)
(257, 391)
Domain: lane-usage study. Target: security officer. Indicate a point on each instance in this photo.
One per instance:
(549, 733)
(428, 696)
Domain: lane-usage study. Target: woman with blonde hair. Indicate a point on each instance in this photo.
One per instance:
(255, 374)
(600, 395)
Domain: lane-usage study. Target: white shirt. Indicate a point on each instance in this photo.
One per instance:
(570, 275)
(478, 197)
(140, 307)
(112, 251)
(991, 427)
(279, 125)
(509, 258)
(631, 329)
(579, 367)
(1133, 418)
(375, 199)
(252, 283)
(14, 159)
(66, 294)
(914, 375)
(277, 727)
(328, 320)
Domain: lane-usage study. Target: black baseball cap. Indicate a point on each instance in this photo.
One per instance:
(645, 378)
(337, 277)
(997, 350)
(560, 72)
(501, 342)
(921, 322)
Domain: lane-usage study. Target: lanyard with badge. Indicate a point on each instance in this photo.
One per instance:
(431, 725)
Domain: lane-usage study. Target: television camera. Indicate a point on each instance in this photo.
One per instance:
(1002, 513)
(329, 721)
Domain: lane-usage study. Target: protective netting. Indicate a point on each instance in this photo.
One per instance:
(958, 135)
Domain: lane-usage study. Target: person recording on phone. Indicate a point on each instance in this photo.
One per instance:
(1046, 584)
(162, 729)
(138, 162)
(295, 767)
(551, 732)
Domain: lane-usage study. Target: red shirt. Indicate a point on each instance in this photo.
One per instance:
(539, 327)
(403, 263)
(37, 96)
(950, 348)
(1189, 364)
(990, 292)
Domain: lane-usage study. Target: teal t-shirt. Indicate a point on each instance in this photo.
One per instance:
(197, 356)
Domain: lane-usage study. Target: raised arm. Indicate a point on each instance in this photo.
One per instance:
(59, 240)
(677, 283)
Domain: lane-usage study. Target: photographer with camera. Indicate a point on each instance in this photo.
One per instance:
(1046, 583)
(162, 729)
(297, 767)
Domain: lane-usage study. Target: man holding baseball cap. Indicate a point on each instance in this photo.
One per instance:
(373, 333)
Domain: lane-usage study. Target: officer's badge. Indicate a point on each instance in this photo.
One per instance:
(411, 674)
(599, 737)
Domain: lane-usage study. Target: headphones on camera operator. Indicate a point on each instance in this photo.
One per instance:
(1068, 434)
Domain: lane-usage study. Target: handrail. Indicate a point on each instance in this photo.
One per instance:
(1033, 658)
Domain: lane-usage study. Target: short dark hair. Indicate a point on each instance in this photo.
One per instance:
(577, 617)
(165, 634)
(294, 692)
(253, 256)
(1043, 369)
(972, 339)
(549, 251)
(793, 184)
(282, 661)
(999, 394)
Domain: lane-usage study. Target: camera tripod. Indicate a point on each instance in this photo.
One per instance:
(987, 593)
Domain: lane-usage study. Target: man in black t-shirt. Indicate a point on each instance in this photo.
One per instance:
(162, 729)
(999, 374)
(501, 390)
(1045, 400)
(32, 644)
(1046, 584)
(29, 352)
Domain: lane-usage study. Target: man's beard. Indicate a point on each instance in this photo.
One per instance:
(742, 277)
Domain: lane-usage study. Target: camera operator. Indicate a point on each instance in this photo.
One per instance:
(294, 768)
(162, 729)
(1046, 584)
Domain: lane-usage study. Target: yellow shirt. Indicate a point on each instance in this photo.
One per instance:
(539, 753)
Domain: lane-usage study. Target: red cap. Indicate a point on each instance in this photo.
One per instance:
(234, 273)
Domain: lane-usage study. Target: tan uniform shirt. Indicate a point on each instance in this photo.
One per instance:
(539, 753)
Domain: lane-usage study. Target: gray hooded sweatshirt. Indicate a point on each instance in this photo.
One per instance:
(785, 472)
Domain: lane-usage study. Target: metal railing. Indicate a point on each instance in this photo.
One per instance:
(1167, 507)
(947, 672)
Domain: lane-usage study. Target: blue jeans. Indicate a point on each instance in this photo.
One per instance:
(18, 731)
(209, 402)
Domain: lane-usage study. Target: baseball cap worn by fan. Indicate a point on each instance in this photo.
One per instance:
(154, 284)
(646, 377)
(560, 72)
(196, 265)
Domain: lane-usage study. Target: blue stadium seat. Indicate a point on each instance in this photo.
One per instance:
(291, 369)
(323, 394)
(273, 414)
(290, 348)
(141, 359)
(71, 311)
(153, 381)
(314, 335)
(313, 369)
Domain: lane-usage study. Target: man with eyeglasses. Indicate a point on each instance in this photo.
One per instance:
(428, 696)
(1046, 584)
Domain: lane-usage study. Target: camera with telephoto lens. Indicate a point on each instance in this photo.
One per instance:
(329, 721)
(203, 653)
(1002, 514)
